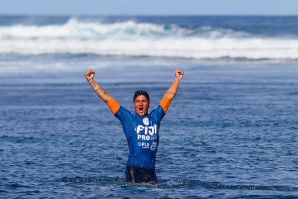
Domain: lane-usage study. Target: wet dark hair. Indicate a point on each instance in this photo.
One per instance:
(141, 92)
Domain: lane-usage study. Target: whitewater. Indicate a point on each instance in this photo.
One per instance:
(230, 132)
(144, 39)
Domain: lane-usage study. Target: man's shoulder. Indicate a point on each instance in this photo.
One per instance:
(157, 111)
(124, 111)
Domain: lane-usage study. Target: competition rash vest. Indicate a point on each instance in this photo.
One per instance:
(142, 132)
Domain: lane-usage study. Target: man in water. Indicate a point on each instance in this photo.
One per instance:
(141, 128)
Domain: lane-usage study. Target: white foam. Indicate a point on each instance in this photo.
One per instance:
(143, 39)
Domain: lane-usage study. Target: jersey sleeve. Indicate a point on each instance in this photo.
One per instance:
(165, 103)
(113, 105)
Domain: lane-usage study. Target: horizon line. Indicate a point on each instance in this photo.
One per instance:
(151, 15)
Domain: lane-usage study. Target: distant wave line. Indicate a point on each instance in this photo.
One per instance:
(180, 48)
(74, 29)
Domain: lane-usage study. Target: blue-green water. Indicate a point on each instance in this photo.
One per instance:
(231, 131)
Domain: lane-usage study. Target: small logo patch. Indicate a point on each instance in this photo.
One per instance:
(146, 121)
(153, 146)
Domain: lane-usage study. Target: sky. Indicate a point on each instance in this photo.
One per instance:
(149, 7)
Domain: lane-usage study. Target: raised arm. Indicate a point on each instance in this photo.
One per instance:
(101, 92)
(171, 92)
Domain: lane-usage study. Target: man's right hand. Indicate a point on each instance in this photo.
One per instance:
(89, 74)
(179, 73)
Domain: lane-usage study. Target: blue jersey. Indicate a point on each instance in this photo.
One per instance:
(142, 134)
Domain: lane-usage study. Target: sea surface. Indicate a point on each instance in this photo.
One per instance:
(230, 132)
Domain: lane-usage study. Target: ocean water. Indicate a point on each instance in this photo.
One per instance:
(230, 132)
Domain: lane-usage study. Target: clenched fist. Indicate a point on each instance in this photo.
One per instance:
(89, 74)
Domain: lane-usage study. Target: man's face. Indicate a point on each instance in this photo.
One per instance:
(141, 105)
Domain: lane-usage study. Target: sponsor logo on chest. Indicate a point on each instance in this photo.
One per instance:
(146, 133)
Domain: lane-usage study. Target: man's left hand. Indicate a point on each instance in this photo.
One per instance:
(179, 74)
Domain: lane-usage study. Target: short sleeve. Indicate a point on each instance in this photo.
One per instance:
(113, 105)
(165, 103)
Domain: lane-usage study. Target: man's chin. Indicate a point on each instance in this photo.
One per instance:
(141, 113)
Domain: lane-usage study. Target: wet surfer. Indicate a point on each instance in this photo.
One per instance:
(141, 128)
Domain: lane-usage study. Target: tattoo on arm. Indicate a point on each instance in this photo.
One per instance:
(101, 92)
(93, 83)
